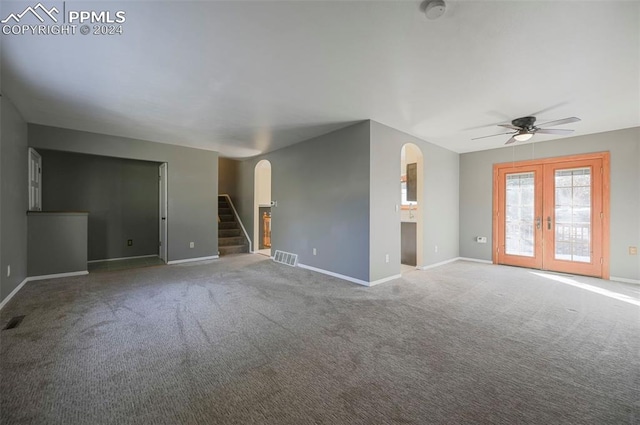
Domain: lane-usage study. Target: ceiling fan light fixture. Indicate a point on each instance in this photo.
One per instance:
(523, 137)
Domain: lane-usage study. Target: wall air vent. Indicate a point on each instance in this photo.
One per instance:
(286, 258)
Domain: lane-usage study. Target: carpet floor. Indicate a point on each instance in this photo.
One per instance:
(243, 340)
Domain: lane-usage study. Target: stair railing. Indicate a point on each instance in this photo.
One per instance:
(237, 218)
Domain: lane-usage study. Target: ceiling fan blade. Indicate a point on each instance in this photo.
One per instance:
(553, 131)
(558, 122)
(510, 126)
(512, 140)
(542, 111)
(492, 135)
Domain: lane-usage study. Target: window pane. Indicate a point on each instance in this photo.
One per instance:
(582, 196)
(582, 179)
(564, 196)
(573, 215)
(563, 214)
(519, 208)
(563, 179)
(582, 215)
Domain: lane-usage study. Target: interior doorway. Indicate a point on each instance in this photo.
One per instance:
(553, 214)
(162, 187)
(411, 207)
(262, 208)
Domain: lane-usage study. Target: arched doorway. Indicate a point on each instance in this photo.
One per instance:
(262, 208)
(412, 207)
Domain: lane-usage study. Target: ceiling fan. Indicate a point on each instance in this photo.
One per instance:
(525, 128)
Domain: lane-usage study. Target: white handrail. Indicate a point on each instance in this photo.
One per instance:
(237, 218)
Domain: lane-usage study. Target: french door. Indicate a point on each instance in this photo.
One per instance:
(552, 214)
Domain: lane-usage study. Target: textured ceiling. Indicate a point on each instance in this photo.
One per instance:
(244, 78)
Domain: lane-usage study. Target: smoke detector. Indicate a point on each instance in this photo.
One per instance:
(435, 9)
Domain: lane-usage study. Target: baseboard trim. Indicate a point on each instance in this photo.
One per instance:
(475, 260)
(386, 279)
(349, 278)
(338, 275)
(41, 277)
(451, 260)
(624, 280)
(122, 258)
(15, 291)
(191, 260)
(57, 275)
(441, 263)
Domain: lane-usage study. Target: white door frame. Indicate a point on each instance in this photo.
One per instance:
(35, 180)
(163, 216)
(256, 200)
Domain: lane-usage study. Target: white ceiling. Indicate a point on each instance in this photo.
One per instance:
(244, 78)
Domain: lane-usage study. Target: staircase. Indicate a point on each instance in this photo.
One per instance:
(231, 240)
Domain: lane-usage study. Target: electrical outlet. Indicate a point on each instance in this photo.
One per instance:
(9, 270)
(633, 250)
(192, 244)
(129, 242)
(315, 252)
(436, 248)
(481, 239)
(386, 258)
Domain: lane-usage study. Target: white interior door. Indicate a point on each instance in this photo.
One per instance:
(163, 212)
(35, 180)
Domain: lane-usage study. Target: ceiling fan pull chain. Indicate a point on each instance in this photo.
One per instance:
(533, 149)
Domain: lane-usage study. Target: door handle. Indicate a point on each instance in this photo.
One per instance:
(538, 223)
(549, 222)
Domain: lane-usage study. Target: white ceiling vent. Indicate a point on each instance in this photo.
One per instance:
(435, 9)
(286, 258)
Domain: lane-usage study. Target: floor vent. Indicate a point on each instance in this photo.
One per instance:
(286, 258)
(13, 323)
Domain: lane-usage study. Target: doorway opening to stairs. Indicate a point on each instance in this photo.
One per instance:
(231, 235)
(262, 208)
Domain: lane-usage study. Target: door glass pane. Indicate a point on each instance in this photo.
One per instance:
(573, 215)
(519, 220)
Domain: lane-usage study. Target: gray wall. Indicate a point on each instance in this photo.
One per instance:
(322, 190)
(439, 193)
(228, 177)
(120, 194)
(14, 200)
(57, 243)
(192, 182)
(476, 171)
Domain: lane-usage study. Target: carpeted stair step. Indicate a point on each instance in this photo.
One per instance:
(224, 211)
(227, 225)
(230, 241)
(226, 217)
(227, 233)
(233, 249)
